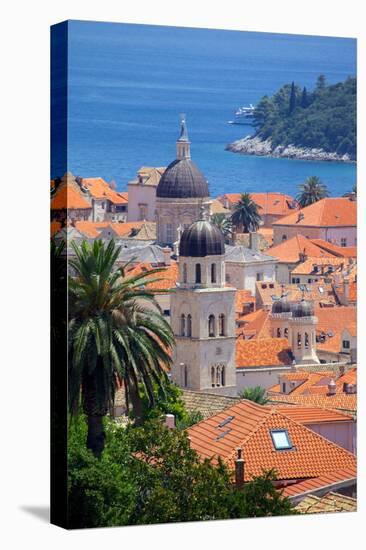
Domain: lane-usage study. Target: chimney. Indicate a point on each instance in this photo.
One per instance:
(303, 256)
(166, 253)
(332, 388)
(170, 421)
(239, 469)
(254, 242)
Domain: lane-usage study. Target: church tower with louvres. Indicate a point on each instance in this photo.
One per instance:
(203, 313)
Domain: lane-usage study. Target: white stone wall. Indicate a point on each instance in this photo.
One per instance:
(139, 194)
(265, 377)
(177, 212)
(200, 352)
(331, 234)
(244, 276)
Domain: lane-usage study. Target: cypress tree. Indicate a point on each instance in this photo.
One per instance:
(304, 98)
(292, 99)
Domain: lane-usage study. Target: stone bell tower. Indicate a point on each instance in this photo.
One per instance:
(203, 314)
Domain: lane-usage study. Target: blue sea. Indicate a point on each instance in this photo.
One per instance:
(128, 84)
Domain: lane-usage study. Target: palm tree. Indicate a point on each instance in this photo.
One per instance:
(224, 224)
(245, 215)
(312, 190)
(257, 394)
(117, 335)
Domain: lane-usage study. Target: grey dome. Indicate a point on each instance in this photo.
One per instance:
(303, 309)
(281, 306)
(182, 180)
(201, 239)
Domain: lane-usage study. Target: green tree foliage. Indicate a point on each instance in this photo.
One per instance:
(312, 190)
(324, 118)
(292, 105)
(257, 394)
(224, 224)
(168, 400)
(150, 474)
(117, 334)
(245, 216)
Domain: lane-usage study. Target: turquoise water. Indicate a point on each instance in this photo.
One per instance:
(128, 84)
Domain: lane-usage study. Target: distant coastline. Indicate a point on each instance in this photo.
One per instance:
(254, 145)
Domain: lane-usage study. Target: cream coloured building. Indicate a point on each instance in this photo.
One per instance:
(181, 193)
(203, 314)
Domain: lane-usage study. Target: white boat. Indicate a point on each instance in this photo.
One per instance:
(244, 115)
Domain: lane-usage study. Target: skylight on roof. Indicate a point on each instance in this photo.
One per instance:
(281, 440)
(226, 421)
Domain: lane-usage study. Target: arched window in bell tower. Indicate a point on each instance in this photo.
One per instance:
(189, 325)
(278, 333)
(198, 273)
(213, 273)
(213, 376)
(182, 325)
(299, 340)
(222, 327)
(211, 326)
(185, 376)
(223, 381)
(184, 273)
(306, 340)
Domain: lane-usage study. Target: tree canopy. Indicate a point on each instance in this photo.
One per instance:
(324, 118)
(150, 474)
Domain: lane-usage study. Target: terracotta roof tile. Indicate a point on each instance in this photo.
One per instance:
(329, 212)
(67, 197)
(289, 251)
(334, 320)
(99, 189)
(340, 401)
(248, 426)
(263, 352)
(331, 502)
(322, 481)
(269, 203)
(319, 266)
(55, 228)
(343, 251)
(309, 415)
(255, 324)
(168, 277)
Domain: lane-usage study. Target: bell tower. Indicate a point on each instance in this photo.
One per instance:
(203, 314)
(183, 143)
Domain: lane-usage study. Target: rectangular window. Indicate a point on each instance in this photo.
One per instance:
(281, 440)
(260, 276)
(346, 344)
(169, 232)
(343, 241)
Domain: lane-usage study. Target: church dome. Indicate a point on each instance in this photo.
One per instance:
(182, 180)
(281, 306)
(303, 309)
(201, 239)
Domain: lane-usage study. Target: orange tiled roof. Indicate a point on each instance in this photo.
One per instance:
(310, 415)
(67, 197)
(55, 228)
(290, 250)
(269, 203)
(334, 320)
(343, 251)
(321, 481)
(168, 277)
(250, 429)
(341, 401)
(310, 382)
(99, 189)
(329, 212)
(256, 324)
(243, 297)
(317, 293)
(307, 267)
(262, 352)
(91, 229)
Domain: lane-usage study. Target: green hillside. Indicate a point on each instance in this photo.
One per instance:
(324, 118)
